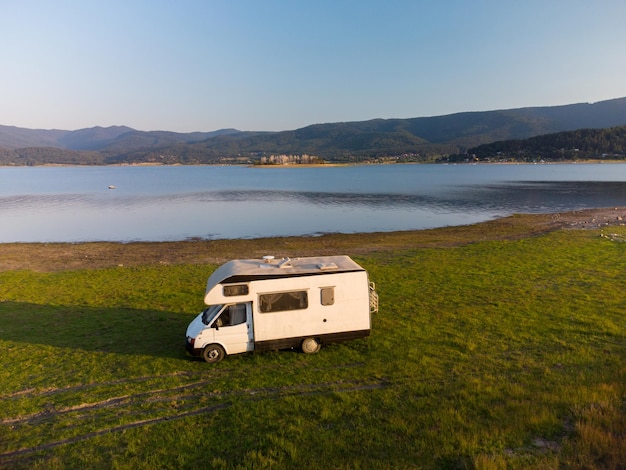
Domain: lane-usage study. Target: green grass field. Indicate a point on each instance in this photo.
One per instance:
(495, 354)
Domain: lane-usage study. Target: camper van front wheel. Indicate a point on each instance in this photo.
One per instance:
(310, 346)
(213, 353)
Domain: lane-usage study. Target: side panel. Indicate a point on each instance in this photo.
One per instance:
(349, 313)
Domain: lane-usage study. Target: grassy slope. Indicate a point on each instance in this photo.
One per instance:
(494, 354)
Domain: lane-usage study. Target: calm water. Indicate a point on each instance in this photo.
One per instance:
(43, 204)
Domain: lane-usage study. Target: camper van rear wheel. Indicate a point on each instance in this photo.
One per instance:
(310, 346)
(213, 353)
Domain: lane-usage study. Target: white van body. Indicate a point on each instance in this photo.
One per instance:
(259, 305)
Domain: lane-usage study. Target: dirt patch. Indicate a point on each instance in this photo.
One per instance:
(72, 256)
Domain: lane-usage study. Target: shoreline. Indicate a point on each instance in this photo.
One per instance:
(60, 256)
(321, 165)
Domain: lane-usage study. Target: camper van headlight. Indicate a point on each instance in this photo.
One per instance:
(191, 340)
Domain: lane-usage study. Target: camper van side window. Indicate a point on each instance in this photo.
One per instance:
(236, 289)
(231, 316)
(327, 295)
(280, 301)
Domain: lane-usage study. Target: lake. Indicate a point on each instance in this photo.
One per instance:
(166, 203)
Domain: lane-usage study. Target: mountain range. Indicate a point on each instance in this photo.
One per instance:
(343, 141)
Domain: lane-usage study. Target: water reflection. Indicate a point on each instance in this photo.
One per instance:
(548, 196)
(249, 203)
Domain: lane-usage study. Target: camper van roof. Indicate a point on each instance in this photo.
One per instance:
(242, 270)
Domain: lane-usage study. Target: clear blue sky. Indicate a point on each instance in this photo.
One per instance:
(202, 65)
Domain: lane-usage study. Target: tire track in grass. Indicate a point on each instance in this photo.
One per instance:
(124, 400)
(215, 374)
(123, 427)
(109, 402)
(33, 392)
(248, 394)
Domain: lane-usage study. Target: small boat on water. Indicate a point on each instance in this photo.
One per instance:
(111, 186)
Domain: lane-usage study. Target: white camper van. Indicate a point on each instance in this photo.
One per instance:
(259, 305)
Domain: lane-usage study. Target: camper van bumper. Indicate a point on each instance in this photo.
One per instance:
(189, 343)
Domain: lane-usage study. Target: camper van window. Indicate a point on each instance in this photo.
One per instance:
(280, 301)
(208, 314)
(237, 289)
(327, 295)
(231, 316)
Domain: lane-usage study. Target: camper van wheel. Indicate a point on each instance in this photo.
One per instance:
(310, 346)
(213, 353)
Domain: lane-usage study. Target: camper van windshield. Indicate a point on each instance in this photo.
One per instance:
(209, 313)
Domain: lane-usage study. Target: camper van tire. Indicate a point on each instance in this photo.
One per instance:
(213, 353)
(310, 346)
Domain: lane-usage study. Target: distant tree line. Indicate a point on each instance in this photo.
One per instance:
(31, 156)
(582, 144)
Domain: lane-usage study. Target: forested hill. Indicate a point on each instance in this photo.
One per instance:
(415, 139)
(582, 144)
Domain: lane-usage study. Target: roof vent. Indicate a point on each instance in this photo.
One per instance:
(285, 263)
(268, 258)
(327, 266)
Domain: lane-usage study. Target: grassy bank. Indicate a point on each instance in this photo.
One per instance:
(488, 352)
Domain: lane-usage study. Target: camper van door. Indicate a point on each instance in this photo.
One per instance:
(233, 328)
